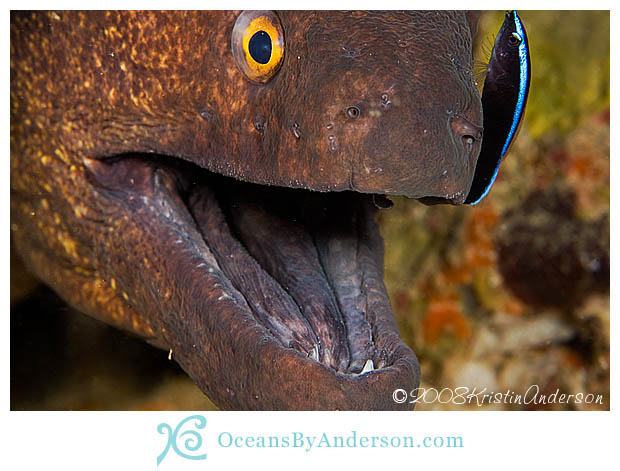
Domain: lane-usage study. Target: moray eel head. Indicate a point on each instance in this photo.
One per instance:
(226, 213)
(393, 104)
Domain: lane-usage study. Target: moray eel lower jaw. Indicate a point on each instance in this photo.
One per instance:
(269, 298)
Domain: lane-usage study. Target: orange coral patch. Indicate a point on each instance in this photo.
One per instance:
(444, 317)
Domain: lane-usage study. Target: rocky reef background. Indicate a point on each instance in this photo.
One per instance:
(506, 295)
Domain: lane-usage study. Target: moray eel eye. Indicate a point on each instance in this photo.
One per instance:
(258, 45)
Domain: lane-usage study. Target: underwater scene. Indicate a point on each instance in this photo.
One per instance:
(513, 293)
(508, 298)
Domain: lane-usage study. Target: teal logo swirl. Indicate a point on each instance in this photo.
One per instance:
(184, 442)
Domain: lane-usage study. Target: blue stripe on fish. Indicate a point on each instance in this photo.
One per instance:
(524, 80)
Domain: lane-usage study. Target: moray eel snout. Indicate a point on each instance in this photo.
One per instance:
(362, 112)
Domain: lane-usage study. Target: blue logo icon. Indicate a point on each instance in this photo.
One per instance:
(190, 439)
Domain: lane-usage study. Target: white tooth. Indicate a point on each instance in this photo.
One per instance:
(368, 366)
(314, 353)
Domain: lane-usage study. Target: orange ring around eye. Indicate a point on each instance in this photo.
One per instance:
(248, 24)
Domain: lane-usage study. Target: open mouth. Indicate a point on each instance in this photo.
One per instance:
(291, 285)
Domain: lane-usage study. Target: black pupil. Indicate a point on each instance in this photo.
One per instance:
(260, 47)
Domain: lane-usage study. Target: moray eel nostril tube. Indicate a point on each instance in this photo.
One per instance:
(194, 178)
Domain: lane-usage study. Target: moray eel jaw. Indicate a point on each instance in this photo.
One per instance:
(269, 298)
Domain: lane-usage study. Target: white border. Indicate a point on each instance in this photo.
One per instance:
(510, 440)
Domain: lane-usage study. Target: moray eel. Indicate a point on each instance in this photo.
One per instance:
(223, 210)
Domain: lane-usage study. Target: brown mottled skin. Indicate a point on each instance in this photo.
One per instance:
(240, 281)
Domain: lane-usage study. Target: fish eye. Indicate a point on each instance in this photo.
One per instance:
(257, 44)
(514, 39)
